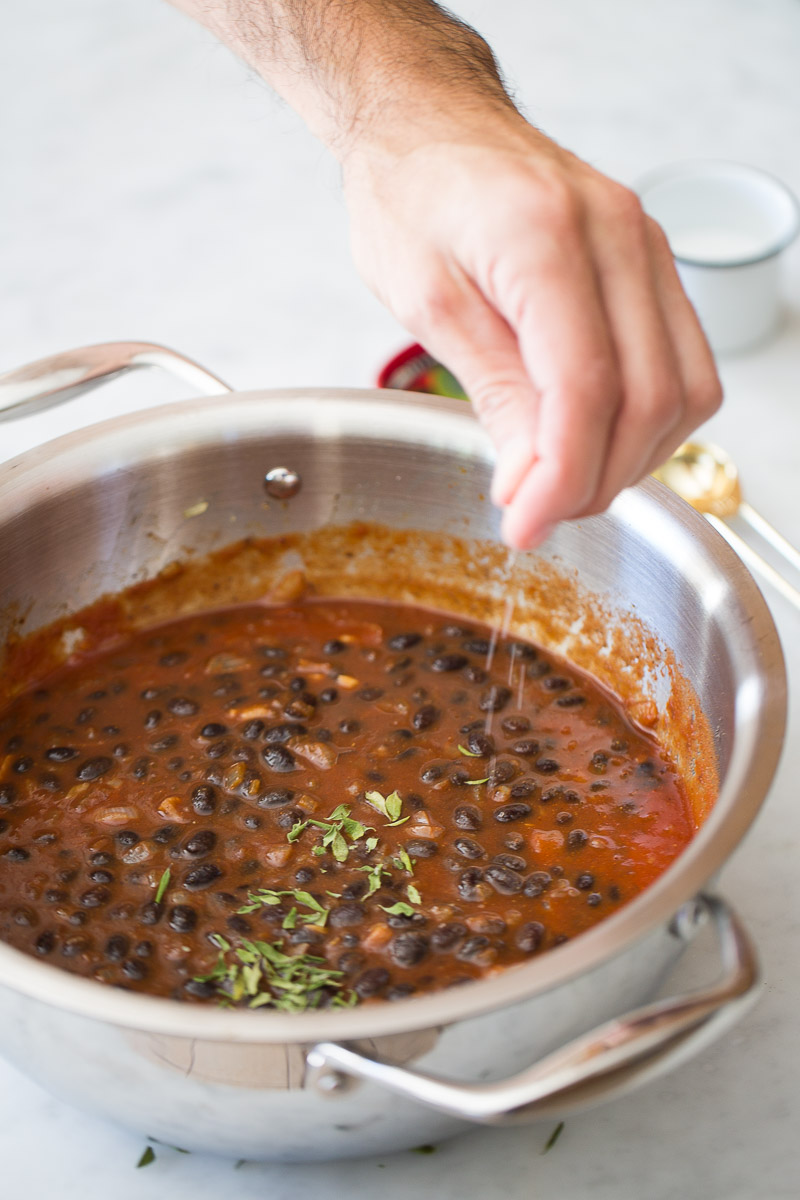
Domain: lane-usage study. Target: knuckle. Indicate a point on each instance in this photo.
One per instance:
(706, 397)
(431, 306)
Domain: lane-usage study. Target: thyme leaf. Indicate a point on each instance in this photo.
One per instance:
(261, 897)
(469, 753)
(554, 1136)
(163, 884)
(263, 975)
(148, 1156)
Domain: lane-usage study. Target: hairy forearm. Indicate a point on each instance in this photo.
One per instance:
(359, 70)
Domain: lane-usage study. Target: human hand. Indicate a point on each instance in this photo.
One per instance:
(545, 289)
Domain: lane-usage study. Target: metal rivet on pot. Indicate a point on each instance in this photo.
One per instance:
(282, 483)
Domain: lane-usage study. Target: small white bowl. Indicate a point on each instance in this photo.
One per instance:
(727, 225)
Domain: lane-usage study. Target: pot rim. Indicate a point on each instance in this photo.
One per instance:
(739, 800)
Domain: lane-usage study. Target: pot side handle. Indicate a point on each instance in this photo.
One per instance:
(610, 1060)
(53, 380)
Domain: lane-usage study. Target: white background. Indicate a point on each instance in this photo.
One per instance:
(150, 188)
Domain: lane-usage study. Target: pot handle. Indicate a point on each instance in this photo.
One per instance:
(610, 1060)
(52, 380)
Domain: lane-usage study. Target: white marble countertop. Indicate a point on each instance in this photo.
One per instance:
(151, 189)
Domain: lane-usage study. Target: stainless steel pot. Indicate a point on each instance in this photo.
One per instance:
(97, 510)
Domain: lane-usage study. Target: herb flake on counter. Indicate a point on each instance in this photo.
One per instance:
(163, 884)
(148, 1156)
(554, 1136)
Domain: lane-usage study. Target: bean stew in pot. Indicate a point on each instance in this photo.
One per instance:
(321, 803)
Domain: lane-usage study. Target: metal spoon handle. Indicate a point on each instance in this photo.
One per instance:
(755, 561)
(770, 534)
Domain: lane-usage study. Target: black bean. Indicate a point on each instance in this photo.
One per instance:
(523, 789)
(369, 693)
(152, 719)
(334, 646)
(444, 937)
(502, 772)
(93, 768)
(127, 837)
(289, 818)
(45, 943)
(573, 701)
(477, 646)
(24, 916)
(400, 991)
(425, 717)
(593, 899)
(252, 730)
(204, 799)
(503, 879)
(182, 918)
(44, 839)
(304, 874)
(467, 848)
(421, 847)
(403, 920)
(494, 698)
(536, 884)
(407, 949)
(480, 743)
(239, 924)
(173, 659)
(466, 816)
(134, 969)
(95, 897)
(512, 812)
(55, 896)
(275, 798)
(200, 843)
(182, 706)
(513, 861)
(472, 946)
(404, 641)
(201, 989)
(165, 834)
(117, 947)
(449, 662)
(328, 696)
(74, 945)
(214, 730)
(151, 913)
(21, 765)
(529, 937)
(277, 735)
(474, 674)
(547, 765)
(252, 822)
(13, 744)
(347, 914)
(431, 773)
(85, 715)
(577, 838)
(122, 912)
(585, 881)
(17, 854)
(557, 683)
(201, 877)
(140, 768)
(272, 651)
(526, 747)
(101, 877)
(354, 890)
(143, 949)
(305, 936)
(467, 882)
(512, 725)
(613, 892)
(8, 794)
(371, 982)
(350, 961)
(218, 749)
(564, 818)
(77, 918)
(278, 758)
(599, 762)
(521, 650)
(61, 753)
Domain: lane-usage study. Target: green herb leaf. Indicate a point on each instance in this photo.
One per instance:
(413, 894)
(402, 821)
(400, 909)
(424, 1150)
(148, 1156)
(469, 753)
(163, 884)
(554, 1136)
(475, 782)
(388, 806)
(296, 830)
(263, 974)
(403, 862)
(371, 844)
